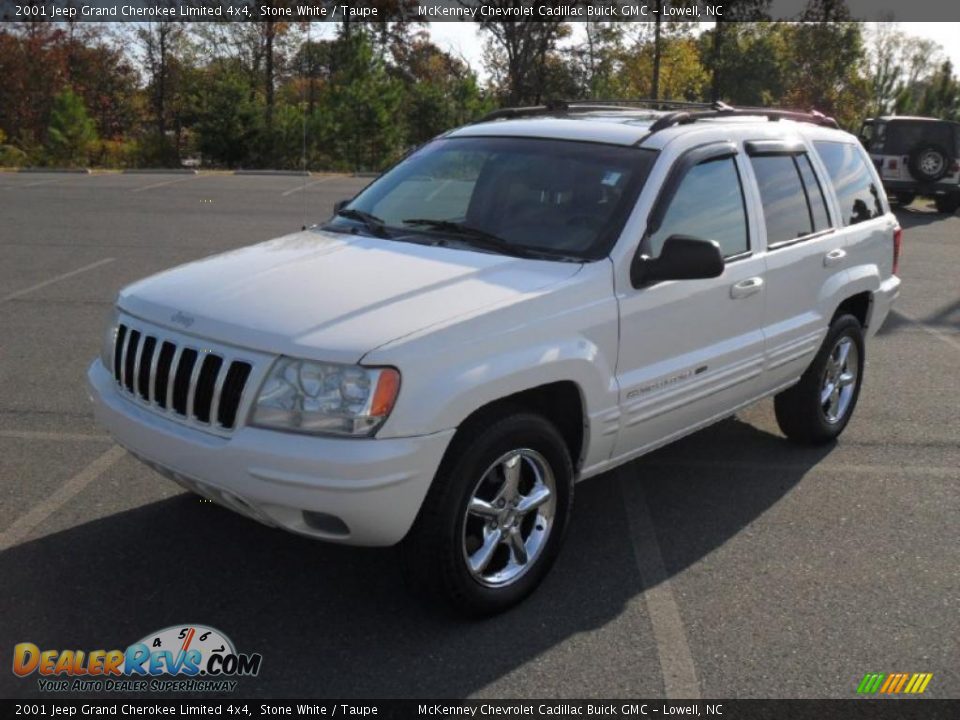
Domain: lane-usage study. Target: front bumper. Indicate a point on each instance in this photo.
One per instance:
(356, 491)
(883, 300)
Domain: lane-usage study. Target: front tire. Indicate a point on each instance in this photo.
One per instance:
(493, 521)
(817, 409)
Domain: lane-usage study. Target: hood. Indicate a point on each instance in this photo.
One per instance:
(332, 296)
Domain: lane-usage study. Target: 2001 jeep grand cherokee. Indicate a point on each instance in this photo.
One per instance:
(520, 304)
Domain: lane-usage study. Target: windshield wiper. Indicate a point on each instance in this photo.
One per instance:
(371, 222)
(479, 238)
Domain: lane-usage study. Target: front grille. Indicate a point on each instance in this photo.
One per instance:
(191, 383)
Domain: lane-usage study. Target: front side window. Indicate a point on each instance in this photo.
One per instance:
(793, 204)
(709, 205)
(550, 196)
(857, 193)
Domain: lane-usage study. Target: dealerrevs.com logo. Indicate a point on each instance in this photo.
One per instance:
(180, 658)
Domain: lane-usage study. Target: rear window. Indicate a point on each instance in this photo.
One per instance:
(902, 137)
(858, 194)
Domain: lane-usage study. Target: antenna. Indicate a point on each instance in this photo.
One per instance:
(303, 113)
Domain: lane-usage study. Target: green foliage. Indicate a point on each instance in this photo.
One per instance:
(358, 119)
(229, 119)
(242, 94)
(71, 133)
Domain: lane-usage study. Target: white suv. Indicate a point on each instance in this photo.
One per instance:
(520, 304)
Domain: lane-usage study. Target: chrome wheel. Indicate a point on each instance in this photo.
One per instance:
(509, 518)
(839, 380)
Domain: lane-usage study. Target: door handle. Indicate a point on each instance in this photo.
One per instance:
(833, 257)
(746, 288)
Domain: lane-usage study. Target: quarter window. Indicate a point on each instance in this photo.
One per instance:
(708, 204)
(858, 194)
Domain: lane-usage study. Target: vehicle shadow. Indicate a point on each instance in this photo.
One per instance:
(333, 621)
(919, 214)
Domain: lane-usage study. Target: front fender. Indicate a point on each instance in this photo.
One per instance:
(448, 374)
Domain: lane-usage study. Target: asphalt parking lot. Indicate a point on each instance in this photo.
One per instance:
(730, 564)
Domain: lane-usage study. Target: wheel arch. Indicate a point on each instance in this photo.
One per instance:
(561, 402)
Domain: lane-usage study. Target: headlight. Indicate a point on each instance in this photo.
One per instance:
(325, 398)
(109, 340)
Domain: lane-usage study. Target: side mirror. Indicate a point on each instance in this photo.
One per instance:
(340, 205)
(682, 258)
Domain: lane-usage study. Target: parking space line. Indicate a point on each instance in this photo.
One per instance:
(165, 182)
(932, 331)
(58, 278)
(41, 182)
(673, 651)
(22, 527)
(304, 187)
(53, 436)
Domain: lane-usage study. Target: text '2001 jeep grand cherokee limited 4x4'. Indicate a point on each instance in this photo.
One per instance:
(520, 304)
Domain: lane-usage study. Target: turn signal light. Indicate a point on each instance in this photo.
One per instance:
(897, 241)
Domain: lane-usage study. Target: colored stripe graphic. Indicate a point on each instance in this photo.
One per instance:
(870, 683)
(894, 683)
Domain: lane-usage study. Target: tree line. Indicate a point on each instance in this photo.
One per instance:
(274, 94)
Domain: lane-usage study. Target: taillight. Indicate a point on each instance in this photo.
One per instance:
(892, 163)
(955, 168)
(897, 241)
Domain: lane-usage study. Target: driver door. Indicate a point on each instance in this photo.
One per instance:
(693, 350)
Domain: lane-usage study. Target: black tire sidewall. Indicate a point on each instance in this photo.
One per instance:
(460, 477)
(947, 203)
(843, 326)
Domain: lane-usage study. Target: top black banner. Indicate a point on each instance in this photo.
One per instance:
(476, 10)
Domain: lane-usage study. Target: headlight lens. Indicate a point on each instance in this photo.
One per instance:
(325, 398)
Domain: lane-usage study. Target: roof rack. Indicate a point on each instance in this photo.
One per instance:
(683, 117)
(690, 112)
(568, 106)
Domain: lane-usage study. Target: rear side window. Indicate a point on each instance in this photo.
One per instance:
(818, 205)
(709, 205)
(786, 210)
(857, 193)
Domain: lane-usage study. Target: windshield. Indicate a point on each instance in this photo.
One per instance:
(553, 197)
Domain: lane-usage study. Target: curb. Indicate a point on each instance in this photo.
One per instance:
(74, 171)
(296, 173)
(161, 171)
(366, 174)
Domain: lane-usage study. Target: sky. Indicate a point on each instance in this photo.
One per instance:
(462, 39)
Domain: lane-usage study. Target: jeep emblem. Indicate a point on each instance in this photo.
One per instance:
(182, 319)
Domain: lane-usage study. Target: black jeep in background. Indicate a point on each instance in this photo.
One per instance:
(916, 156)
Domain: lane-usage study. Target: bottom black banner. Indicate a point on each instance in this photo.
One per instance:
(898, 709)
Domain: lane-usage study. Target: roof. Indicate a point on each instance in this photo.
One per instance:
(615, 126)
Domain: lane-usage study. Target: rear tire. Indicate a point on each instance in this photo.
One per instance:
(473, 544)
(947, 203)
(817, 409)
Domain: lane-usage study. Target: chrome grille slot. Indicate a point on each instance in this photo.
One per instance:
(194, 385)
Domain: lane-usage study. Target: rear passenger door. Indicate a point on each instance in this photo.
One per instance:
(806, 257)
